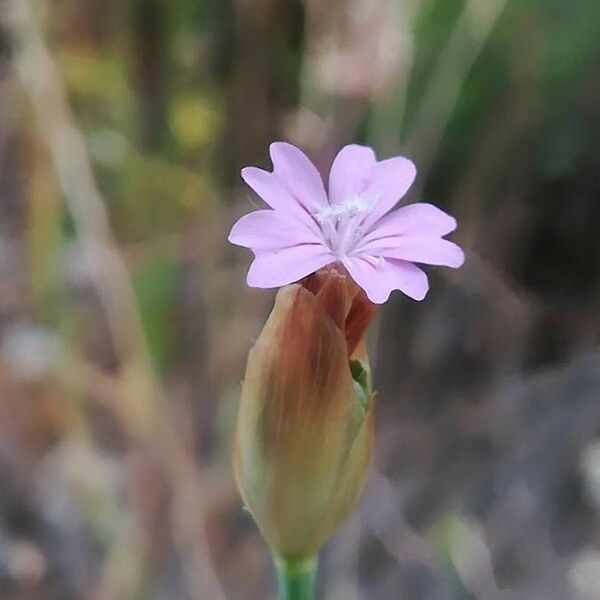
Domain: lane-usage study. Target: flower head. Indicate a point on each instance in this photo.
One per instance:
(353, 224)
(305, 426)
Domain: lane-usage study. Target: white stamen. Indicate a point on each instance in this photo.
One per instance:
(341, 223)
(350, 208)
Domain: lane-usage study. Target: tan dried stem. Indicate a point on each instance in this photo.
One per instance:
(140, 401)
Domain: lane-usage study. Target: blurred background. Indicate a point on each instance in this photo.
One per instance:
(125, 319)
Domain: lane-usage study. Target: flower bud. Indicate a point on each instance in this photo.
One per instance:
(305, 424)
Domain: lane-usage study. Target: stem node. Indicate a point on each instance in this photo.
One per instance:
(296, 578)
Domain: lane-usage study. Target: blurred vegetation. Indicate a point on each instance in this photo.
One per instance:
(115, 465)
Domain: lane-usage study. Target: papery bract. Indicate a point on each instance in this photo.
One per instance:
(305, 426)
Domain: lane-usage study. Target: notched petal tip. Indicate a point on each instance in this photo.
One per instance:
(238, 234)
(350, 172)
(404, 167)
(282, 145)
(408, 165)
(419, 295)
(250, 172)
(298, 174)
(352, 155)
(378, 278)
(457, 258)
(378, 296)
(254, 281)
(281, 152)
(232, 237)
(452, 224)
(361, 147)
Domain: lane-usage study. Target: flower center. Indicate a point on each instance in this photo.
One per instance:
(341, 223)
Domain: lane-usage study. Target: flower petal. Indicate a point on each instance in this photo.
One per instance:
(269, 187)
(350, 172)
(378, 277)
(388, 183)
(298, 175)
(419, 220)
(274, 269)
(427, 250)
(270, 229)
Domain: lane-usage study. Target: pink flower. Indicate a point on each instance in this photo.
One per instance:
(307, 228)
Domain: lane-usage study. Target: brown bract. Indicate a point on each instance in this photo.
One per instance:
(304, 432)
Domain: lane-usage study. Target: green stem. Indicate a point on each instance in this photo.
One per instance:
(296, 578)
